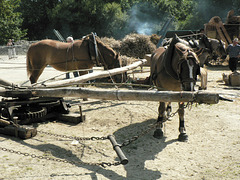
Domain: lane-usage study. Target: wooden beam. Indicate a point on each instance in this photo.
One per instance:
(91, 76)
(129, 95)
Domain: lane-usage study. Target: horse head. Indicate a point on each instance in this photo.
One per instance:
(109, 59)
(204, 55)
(187, 67)
(218, 49)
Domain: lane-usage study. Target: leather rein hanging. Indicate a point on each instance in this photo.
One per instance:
(96, 57)
(70, 47)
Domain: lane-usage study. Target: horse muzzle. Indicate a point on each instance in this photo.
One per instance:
(188, 84)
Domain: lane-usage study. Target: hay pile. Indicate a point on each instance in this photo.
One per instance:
(155, 38)
(127, 60)
(136, 45)
(132, 46)
(111, 42)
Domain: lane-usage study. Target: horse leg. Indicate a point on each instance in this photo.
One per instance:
(203, 76)
(182, 136)
(35, 75)
(158, 133)
(169, 109)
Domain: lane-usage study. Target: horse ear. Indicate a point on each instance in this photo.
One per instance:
(179, 51)
(176, 38)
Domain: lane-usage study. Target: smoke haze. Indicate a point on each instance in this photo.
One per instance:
(143, 20)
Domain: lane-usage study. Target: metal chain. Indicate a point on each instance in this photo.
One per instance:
(103, 164)
(93, 138)
(134, 138)
(189, 105)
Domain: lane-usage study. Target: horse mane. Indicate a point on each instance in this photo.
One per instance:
(186, 50)
(99, 42)
(105, 45)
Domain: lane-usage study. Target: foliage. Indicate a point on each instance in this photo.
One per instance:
(112, 18)
(37, 17)
(10, 21)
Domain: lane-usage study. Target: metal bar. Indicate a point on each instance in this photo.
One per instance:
(164, 32)
(59, 36)
(95, 46)
(118, 150)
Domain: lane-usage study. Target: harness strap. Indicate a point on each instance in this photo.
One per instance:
(167, 60)
(93, 50)
(73, 59)
(96, 49)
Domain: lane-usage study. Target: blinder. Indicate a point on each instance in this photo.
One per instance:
(184, 72)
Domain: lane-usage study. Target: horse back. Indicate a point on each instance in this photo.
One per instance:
(159, 75)
(156, 58)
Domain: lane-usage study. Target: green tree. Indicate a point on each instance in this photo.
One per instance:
(78, 18)
(37, 17)
(10, 21)
(204, 10)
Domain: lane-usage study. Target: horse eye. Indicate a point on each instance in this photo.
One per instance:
(190, 61)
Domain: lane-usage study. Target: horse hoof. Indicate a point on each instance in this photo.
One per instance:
(158, 133)
(183, 137)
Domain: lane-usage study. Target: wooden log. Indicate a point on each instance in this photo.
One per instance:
(4, 122)
(94, 75)
(24, 132)
(130, 95)
(5, 83)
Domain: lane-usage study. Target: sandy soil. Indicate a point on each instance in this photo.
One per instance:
(212, 151)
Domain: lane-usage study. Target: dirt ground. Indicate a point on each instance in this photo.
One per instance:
(212, 151)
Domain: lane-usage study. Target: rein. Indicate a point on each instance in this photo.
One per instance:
(98, 58)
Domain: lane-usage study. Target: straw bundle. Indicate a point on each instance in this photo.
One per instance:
(111, 42)
(136, 45)
(127, 60)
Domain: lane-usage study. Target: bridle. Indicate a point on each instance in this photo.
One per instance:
(183, 59)
(98, 59)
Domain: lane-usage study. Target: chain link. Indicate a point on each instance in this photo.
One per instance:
(189, 105)
(103, 164)
(134, 138)
(93, 138)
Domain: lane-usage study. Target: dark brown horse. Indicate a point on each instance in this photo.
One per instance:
(82, 54)
(205, 48)
(175, 69)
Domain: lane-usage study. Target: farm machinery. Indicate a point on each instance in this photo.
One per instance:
(19, 109)
(226, 32)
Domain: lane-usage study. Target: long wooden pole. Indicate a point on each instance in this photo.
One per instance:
(129, 95)
(94, 75)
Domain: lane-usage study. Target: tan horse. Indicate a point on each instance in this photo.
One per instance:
(82, 54)
(174, 69)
